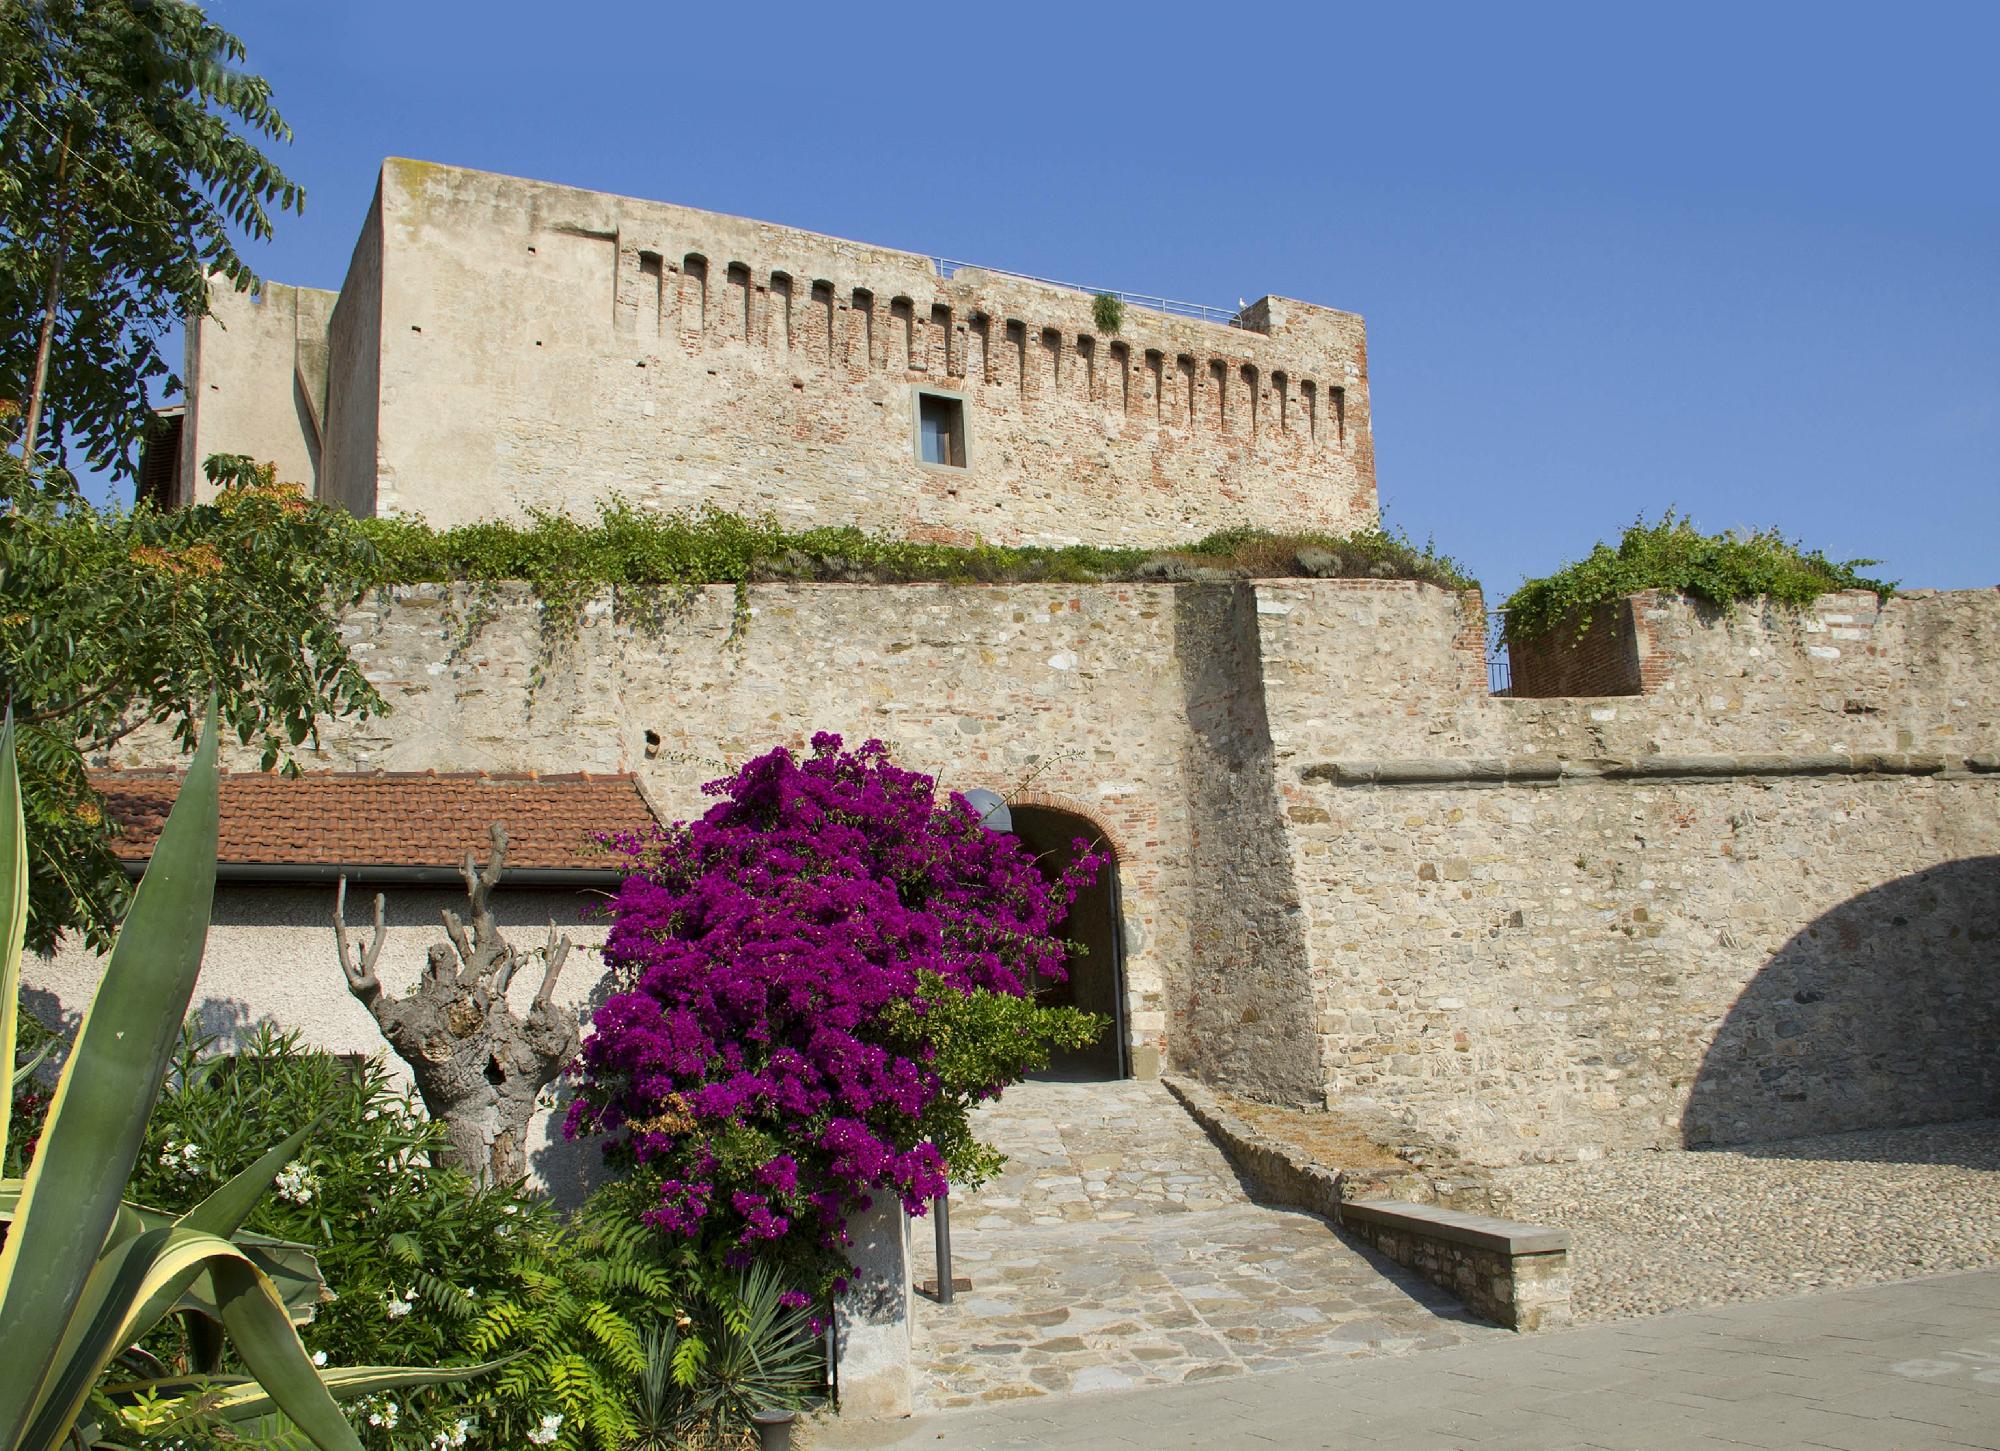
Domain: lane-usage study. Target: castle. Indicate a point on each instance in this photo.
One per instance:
(1740, 882)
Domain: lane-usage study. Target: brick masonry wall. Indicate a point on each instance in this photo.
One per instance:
(1583, 965)
(1603, 660)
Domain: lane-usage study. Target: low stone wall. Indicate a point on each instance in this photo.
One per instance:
(1515, 1275)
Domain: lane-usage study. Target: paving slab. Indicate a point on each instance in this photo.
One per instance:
(1934, 1384)
(1119, 1249)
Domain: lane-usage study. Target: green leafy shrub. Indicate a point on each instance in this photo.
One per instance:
(425, 1265)
(1720, 569)
(1107, 310)
(428, 1268)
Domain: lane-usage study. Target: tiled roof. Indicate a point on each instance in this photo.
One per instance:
(388, 819)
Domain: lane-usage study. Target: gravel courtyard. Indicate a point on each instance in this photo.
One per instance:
(1671, 1231)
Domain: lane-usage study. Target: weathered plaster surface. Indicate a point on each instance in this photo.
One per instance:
(503, 344)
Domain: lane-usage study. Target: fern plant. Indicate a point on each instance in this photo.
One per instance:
(578, 1318)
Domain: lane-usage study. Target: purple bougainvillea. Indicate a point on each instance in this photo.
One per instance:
(812, 975)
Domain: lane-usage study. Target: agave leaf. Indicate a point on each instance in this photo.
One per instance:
(141, 1282)
(97, 1121)
(13, 911)
(21, 1076)
(224, 1211)
(249, 1400)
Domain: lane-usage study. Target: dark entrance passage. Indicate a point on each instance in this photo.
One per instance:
(1096, 981)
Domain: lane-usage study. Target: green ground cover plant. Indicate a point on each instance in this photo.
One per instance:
(1722, 570)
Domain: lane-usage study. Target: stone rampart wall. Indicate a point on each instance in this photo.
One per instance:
(1757, 900)
(1543, 931)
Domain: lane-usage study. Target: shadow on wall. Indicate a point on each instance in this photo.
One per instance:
(1883, 1012)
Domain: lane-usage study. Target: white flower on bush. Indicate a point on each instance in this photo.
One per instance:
(184, 1159)
(297, 1182)
(398, 1308)
(551, 1424)
(319, 1357)
(386, 1418)
(455, 1437)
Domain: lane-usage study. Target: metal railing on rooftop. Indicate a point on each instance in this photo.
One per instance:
(947, 266)
(1499, 664)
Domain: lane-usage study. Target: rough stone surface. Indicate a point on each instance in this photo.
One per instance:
(1511, 972)
(1661, 1232)
(1510, 1273)
(1119, 1249)
(501, 344)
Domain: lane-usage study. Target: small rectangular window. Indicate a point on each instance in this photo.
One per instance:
(941, 430)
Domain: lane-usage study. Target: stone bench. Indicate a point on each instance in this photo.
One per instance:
(1514, 1274)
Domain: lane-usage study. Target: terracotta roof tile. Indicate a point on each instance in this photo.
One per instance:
(389, 819)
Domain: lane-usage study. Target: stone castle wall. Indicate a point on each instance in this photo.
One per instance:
(502, 345)
(1758, 900)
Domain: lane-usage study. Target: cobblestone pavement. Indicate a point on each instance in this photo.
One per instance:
(1118, 1249)
(1886, 1368)
(1669, 1231)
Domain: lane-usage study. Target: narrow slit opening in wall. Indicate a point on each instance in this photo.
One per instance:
(940, 341)
(903, 333)
(1339, 420)
(1281, 391)
(694, 291)
(1121, 375)
(737, 279)
(653, 284)
(1218, 380)
(941, 430)
(1309, 399)
(864, 325)
(1052, 358)
(1017, 347)
(1156, 379)
(781, 311)
(979, 362)
(1184, 369)
(1086, 352)
(822, 314)
(1250, 399)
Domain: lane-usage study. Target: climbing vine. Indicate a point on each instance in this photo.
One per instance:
(1721, 569)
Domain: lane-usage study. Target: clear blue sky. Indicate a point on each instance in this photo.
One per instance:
(1740, 259)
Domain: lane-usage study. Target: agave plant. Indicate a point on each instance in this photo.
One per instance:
(85, 1275)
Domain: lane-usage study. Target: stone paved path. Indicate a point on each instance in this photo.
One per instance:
(1119, 1250)
(1888, 1368)
(1672, 1231)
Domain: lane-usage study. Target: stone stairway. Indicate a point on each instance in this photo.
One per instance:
(1119, 1249)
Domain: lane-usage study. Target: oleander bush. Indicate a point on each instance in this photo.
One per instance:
(818, 980)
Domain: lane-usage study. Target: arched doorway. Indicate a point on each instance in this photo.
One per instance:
(1096, 981)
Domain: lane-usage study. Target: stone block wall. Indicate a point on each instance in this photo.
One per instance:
(502, 345)
(1603, 660)
(1543, 932)
(1757, 900)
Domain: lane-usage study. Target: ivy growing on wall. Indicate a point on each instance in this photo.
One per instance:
(1720, 569)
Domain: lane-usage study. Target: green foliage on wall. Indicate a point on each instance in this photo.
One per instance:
(567, 560)
(1721, 569)
(1107, 310)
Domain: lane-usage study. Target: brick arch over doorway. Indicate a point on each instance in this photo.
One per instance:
(1049, 828)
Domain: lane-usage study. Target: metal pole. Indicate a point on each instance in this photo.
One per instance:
(941, 1227)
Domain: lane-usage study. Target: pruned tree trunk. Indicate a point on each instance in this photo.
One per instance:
(478, 1066)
